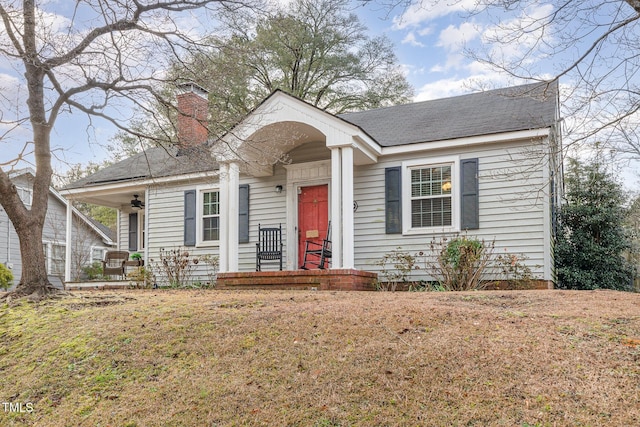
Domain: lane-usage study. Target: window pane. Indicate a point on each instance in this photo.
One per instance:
(97, 254)
(431, 181)
(211, 203)
(435, 212)
(25, 195)
(210, 229)
(57, 259)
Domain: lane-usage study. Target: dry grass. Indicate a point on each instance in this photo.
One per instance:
(217, 358)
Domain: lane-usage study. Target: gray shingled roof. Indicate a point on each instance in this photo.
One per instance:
(155, 162)
(517, 108)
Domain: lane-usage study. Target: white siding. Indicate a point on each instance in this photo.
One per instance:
(511, 194)
(268, 208)
(166, 219)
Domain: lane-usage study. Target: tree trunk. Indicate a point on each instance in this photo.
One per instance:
(34, 280)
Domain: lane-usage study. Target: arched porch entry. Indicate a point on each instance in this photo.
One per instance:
(268, 137)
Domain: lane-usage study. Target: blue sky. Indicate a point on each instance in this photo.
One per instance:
(429, 42)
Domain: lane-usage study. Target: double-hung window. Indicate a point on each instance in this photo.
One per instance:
(431, 195)
(55, 255)
(210, 216)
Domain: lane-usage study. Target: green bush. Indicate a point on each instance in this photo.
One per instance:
(93, 271)
(6, 277)
(462, 251)
(591, 238)
(460, 263)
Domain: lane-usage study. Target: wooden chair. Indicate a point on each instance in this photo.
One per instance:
(114, 263)
(316, 254)
(269, 246)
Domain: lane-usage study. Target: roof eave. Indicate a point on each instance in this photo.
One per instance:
(468, 141)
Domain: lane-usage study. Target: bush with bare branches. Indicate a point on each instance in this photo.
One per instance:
(460, 263)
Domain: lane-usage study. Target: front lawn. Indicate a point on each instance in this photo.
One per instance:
(277, 358)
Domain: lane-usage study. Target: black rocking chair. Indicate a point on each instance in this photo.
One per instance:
(317, 255)
(269, 246)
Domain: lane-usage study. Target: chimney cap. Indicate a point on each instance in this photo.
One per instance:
(190, 86)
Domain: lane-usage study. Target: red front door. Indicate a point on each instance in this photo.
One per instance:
(313, 216)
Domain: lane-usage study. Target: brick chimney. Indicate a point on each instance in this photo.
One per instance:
(192, 115)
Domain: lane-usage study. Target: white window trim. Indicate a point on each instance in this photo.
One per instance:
(199, 191)
(140, 243)
(101, 248)
(454, 161)
(49, 255)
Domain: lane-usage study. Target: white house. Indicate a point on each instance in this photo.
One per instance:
(486, 164)
(91, 239)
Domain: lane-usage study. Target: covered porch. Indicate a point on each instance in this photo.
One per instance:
(318, 152)
(287, 146)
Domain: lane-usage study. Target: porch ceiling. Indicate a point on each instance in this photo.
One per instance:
(283, 122)
(119, 198)
(270, 144)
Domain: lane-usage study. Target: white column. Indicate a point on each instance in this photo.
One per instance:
(147, 208)
(233, 203)
(336, 208)
(347, 208)
(223, 255)
(68, 236)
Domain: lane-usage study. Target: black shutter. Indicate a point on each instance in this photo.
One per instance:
(190, 218)
(469, 206)
(243, 210)
(393, 200)
(133, 232)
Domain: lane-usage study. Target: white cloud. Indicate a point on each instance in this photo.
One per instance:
(511, 39)
(423, 11)
(454, 38)
(454, 86)
(410, 39)
(453, 61)
(426, 31)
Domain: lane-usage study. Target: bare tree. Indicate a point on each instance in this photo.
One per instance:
(590, 45)
(102, 56)
(593, 47)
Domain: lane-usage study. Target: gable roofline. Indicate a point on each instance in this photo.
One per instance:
(31, 172)
(521, 108)
(456, 119)
(277, 92)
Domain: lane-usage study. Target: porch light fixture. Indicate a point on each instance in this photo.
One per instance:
(135, 203)
(278, 189)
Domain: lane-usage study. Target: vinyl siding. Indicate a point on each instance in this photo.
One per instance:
(165, 218)
(268, 208)
(166, 213)
(54, 232)
(512, 190)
